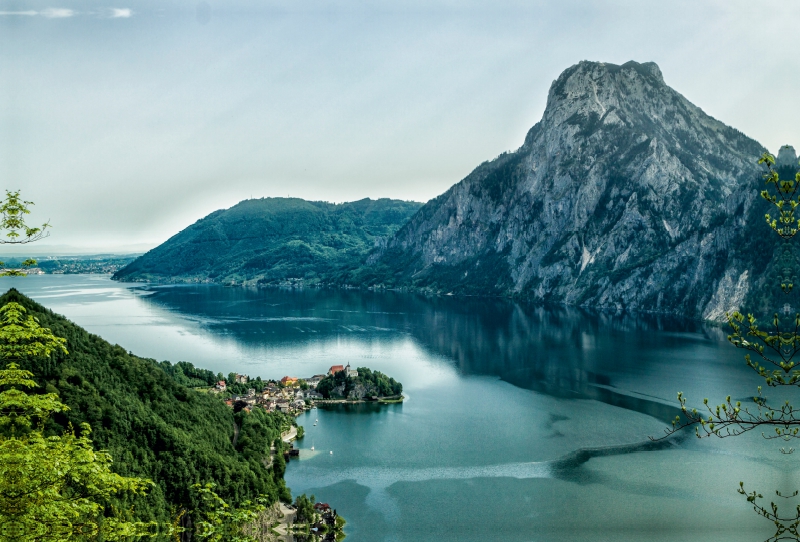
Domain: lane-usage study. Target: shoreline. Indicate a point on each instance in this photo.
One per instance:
(394, 400)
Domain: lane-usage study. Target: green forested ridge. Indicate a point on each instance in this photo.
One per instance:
(271, 240)
(154, 427)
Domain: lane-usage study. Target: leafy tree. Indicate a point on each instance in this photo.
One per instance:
(12, 219)
(13, 211)
(52, 488)
(305, 509)
(219, 522)
(771, 353)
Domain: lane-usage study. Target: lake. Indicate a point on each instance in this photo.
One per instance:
(521, 423)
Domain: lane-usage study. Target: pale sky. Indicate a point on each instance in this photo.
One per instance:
(126, 122)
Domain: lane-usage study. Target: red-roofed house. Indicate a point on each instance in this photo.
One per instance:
(288, 380)
(320, 506)
(335, 369)
(221, 385)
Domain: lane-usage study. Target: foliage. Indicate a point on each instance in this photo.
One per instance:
(188, 375)
(274, 240)
(153, 426)
(52, 488)
(783, 199)
(775, 349)
(373, 382)
(22, 338)
(13, 211)
(218, 521)
(385, 385)
(305, 509)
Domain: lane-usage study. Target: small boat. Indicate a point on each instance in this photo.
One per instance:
(331, 452)
(312, 448)
(315, 421)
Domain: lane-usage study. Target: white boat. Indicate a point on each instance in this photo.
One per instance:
(331, 452)
(312, 448)
(315, 421)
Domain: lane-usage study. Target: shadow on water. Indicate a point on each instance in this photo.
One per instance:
(567, 467)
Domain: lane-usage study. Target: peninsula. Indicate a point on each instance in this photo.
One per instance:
(293, 395)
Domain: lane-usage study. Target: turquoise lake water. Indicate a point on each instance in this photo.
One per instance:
(521, 423)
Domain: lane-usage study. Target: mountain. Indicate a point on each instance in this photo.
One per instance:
(153, 426)
(625, 195)
(270, 240)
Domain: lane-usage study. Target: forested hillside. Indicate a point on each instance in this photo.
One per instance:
(272, 240)
(154, 427)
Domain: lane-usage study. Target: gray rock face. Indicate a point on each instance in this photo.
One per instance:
(787, 157)
(624, 195)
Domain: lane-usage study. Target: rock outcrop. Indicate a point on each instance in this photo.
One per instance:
(625, 195)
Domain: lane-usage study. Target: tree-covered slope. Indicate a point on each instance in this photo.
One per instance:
(273, 239)
(152, 426)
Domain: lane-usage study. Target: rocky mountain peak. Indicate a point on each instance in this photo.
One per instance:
(594, 96)
(602, 89)
(624, 195)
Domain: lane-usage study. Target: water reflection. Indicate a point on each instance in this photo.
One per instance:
(637, 362)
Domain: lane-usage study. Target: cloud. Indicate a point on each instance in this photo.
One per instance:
(63, 13)
(57, 13)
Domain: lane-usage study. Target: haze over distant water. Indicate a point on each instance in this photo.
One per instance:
(126, 122)
(521, 423)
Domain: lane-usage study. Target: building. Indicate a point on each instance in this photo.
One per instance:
(314, 380)
(221, 386)
(242, 379)
(288, 381)
(335, 369)
(350, 372)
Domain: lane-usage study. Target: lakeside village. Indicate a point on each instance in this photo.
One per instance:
(293, 395)
(305, 520)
